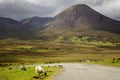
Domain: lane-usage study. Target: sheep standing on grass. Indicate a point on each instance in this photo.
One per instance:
(23, 68)
(39, 70)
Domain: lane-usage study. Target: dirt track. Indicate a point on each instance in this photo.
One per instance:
(76, 71)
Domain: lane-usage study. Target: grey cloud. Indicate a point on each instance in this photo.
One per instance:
(110, 8)
(22, 9)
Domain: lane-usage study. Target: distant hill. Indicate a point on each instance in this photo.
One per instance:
(81, 20)
(35, 23)
(10, 28)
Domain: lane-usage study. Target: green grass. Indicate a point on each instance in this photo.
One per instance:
(18, 74)
(110, 60)
(106, 63)
(62, 49)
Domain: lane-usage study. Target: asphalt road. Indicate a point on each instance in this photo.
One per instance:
(76, 71)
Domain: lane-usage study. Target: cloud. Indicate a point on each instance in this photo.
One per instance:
(20, 9)
(110, 8)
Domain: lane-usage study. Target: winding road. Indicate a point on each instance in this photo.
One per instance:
(77, 71)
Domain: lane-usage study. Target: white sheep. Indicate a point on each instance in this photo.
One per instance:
(39, 70)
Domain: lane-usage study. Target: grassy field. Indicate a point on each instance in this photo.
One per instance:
(15, 52)
(8, 73)
(62, 49)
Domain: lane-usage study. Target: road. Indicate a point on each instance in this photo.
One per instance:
(77, 71)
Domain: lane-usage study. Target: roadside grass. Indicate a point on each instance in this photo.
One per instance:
(116, 63)
(7, 73)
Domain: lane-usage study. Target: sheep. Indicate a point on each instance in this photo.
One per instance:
(23, 68)
(40, 70)
(60, 66)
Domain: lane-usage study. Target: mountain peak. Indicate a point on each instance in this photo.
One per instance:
(81, 17)
(34, 17)
(81, 6)
(77, 10)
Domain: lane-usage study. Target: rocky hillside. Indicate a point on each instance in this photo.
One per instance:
(81, 20)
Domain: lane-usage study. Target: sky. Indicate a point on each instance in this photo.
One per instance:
(20, 9)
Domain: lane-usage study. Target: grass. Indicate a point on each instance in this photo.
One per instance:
(17, 74)
(62, 49)
(106, 63)
(71, 49)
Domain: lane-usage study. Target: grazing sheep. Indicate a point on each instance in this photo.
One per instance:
(40, 70)
(60, 66)
(23, 68)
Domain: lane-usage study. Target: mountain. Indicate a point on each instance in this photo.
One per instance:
(25, 29)
(81, 20)
(10, 28)
(35, 22)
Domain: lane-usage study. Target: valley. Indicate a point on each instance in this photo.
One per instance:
(76, 34)
(36, 51)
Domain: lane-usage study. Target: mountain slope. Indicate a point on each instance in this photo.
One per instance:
(35, 22)
(10, 28)
(83, 18)
(25, 29)
(79, 21)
